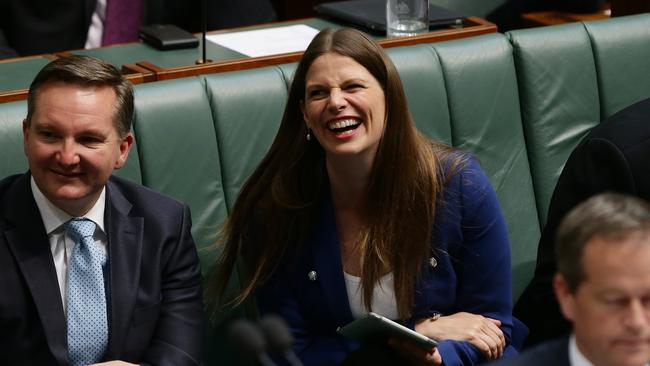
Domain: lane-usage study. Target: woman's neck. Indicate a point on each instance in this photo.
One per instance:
(348, 177)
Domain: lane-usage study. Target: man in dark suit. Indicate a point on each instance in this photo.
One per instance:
(612, 157)
(29, 27)
(602, 285)
(127, 285)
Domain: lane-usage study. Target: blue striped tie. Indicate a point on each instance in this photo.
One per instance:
(87, 324)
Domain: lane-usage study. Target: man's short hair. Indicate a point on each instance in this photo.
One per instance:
(611, 216)
(86, 71)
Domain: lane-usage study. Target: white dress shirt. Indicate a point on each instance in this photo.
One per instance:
(61, 245)
(96, 28)
(576, 358)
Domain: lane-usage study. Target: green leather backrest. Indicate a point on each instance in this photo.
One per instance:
(247, 108)
(421, 74)
(481, 86)
(13, 160)
(559, 98)
(178, 151)
(12, 156)
(621, 49)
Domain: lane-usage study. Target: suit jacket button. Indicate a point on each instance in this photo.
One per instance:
(433, 262)
(312, 275)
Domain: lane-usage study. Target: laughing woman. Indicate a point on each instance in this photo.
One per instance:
(353, 210)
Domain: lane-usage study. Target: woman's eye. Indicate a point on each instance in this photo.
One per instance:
(354, 87)
(317, 93)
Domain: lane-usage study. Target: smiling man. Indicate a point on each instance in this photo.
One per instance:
(602, 285)
(93, 268)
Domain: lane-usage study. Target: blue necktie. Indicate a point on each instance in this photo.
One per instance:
(87, 324)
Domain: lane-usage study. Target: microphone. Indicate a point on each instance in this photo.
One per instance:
(279, 338)
(204, 29)
(249, 342)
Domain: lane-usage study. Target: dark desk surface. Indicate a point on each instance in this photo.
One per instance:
(143, 63)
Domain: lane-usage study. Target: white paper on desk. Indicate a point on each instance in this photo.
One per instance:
(265, 42)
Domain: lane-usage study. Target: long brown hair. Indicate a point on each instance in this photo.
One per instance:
(404, 186)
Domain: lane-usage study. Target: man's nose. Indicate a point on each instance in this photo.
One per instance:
(68, 153)
(637, 316)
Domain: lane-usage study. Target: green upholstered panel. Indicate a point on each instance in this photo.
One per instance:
(179, 155)
(559, 98)
(19, 74)
(247, 107)
(287, 72)
(424, 86)
(12, 158)
(485, 120)
(622, 52)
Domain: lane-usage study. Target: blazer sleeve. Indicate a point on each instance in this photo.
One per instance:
(178, 338)
(483, 267)
(596, 165)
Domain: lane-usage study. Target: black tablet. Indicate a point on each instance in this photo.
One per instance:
(376, 328)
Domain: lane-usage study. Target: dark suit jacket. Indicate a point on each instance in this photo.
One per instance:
(612, 157)
(552, 353)
(30, 27)
(154, 308)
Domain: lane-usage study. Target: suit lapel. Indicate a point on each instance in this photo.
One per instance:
(29, 243)
(125, 235)
(326, 255)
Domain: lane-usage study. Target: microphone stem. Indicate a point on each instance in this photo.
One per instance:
(205, 27)
(292, 358)
(265, 360)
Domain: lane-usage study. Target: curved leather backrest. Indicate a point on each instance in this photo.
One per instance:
(559, 98)
(179, 155)
(481, 85)
(12, 160)
(421, 74)
(247, 107)
(621, 49)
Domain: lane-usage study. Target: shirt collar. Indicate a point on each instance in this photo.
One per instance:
(576, 358)
(53, 217)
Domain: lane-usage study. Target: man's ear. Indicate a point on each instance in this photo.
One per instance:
(125, 147)
(565, 296)
(25, 135)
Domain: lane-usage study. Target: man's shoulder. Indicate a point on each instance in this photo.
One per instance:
(555, 352)
(8, 183)
(628, 127)
(141, 197)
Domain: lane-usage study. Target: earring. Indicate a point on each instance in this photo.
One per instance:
(308, 134)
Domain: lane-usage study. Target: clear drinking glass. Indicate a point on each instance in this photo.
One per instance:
(407, 17)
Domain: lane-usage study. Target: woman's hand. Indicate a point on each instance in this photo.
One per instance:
(415, 354)
(481, 332)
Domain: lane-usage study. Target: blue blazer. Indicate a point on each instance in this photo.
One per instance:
(471, 273)
(155, 308)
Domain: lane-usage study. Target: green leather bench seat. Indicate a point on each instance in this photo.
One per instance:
(520, 102)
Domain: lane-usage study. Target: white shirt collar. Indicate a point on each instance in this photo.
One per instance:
(576, 358)
(53, 217)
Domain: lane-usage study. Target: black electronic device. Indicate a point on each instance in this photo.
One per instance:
(376, 328)
(167, 37)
